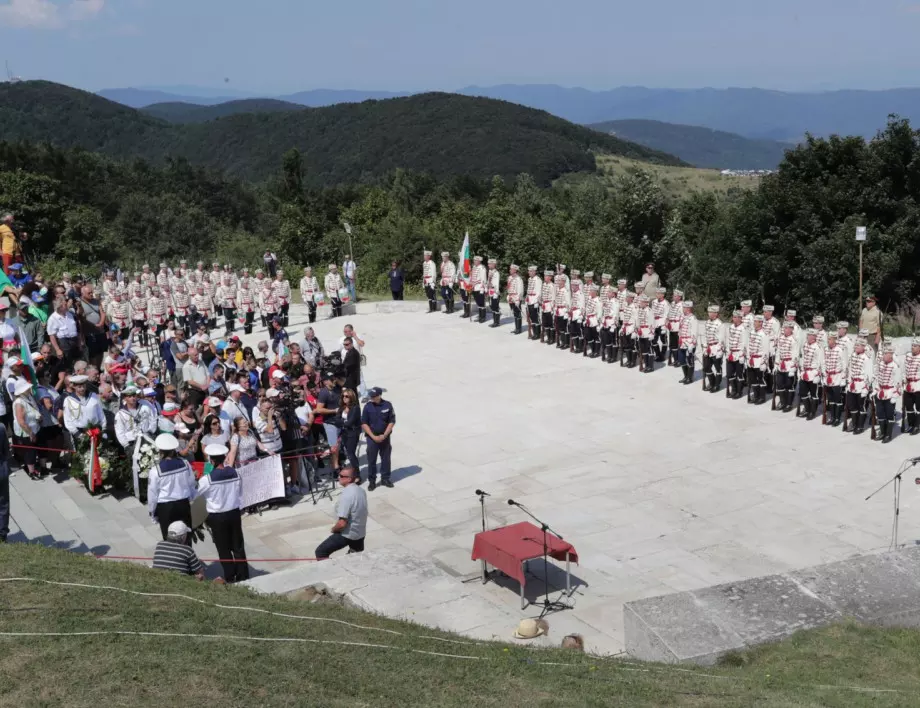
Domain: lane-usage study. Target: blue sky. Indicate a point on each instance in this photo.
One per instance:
(278, 46)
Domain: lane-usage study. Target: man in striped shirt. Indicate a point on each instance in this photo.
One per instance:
(174, 554)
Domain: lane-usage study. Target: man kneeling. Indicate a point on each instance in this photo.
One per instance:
(351, 522)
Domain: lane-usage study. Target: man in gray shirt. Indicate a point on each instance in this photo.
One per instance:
(179, 350)
(351, 522)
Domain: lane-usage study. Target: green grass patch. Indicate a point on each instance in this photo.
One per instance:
(381, 662)
(676, 182)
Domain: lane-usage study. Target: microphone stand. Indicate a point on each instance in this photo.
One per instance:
(906, 465)
(482, 506)
(548, 605)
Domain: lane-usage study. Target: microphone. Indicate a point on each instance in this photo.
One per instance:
(511, 502)
(482, 493)
(914, 460)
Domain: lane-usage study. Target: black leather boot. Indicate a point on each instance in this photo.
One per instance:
(495, 319)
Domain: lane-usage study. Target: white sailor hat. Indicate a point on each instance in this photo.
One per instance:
(661, 291)
(532, 269)
(736, 313)
(215, 449)
(790, 313)
(166, 441)
(818, 319)
(915, 342)
(811, 332)
(445, 254)
(768, 308)
(758, 318)
(548, 272)
(677, 293)
(688, 303)
(426, 253)
(605, 276)
(713, 308)
(492, 261)
(746, 303)
(477, 258)
(621, 281)
(78, 379)
(514, 266)
(842, 324)
(589, 273)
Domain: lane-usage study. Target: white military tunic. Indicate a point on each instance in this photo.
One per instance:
(80, 414)
(131, 423)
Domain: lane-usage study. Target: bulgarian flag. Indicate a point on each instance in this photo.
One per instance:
(465, 261)
(27, 363)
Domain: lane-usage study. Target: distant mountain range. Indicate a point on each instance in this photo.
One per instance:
(446, 135)
(750, 112)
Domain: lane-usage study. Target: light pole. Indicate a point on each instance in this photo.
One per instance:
(860, 237)
(352, 284)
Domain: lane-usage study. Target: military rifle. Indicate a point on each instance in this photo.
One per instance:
(824, 405)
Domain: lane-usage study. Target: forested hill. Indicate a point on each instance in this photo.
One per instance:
(699, 146)
(179, 112)
(441, 134)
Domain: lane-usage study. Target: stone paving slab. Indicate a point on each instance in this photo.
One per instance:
(660, 487)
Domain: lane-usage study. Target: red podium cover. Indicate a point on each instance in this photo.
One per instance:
(506, 548)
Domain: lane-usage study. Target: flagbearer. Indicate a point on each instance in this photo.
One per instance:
(534, 288)
(223, 492)
(547, 303)
(429, 281)
(514, 289)
(494, 285)
(448, 279)
(478, 286)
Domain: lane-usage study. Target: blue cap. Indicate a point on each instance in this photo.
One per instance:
(37, 298)
(16, 266)
(374, 392)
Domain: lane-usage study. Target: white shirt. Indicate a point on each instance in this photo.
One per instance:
(62, 326)
(83, 413)
(177, 482)
(231, 410)
(349, 268)
(196, 372)
(222, 494)
(354, 338)
(130, 423)
(7, 333)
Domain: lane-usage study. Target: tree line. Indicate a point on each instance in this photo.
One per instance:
(789, 242)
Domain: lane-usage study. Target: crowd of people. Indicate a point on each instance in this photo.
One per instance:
(854, 380)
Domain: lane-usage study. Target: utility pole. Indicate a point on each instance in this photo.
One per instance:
(860, 237)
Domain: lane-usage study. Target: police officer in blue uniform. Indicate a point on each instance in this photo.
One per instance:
(377, 421)
(223, 491)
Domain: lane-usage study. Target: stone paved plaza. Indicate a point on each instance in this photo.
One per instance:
(660, 487)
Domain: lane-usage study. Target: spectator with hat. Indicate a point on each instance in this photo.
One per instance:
(174, 552)
(26, 425)
(378, 419)
(170, 486)
(870, 319)
(222, 490)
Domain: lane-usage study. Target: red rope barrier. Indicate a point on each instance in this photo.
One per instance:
(218, 560)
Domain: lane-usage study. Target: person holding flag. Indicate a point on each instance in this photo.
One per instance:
(464, 276)
(479, 284)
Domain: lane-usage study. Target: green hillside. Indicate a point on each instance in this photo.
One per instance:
(702, 147)
(179, 112)
(110, 645)
(441, 134)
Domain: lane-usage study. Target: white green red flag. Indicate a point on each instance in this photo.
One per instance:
(465, 261)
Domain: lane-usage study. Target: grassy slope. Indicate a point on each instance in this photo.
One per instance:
(811, 669)
(701, 147)
(676, 181)
(444, 134)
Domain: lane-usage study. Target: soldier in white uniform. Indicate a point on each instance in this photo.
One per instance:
(560, 273)
(686, 342)
(675, 315)
(836, 359)
(478, 285)
(817, 323)
(736, 340)
(747, 317)
(514, 290)
(158, 311)
(138, 305)
(82, 411)
(789, 316)
(811, 372)
(547, 303)
(843, 336)
(109, 286)
(183, 269)
(332, 284)
(181, 302)
(756, 360)
(204, 306)
(268, 303)
(147, 278)
(226, 297)
(772, 329)
(119, 312)
(448, 281)
(713, 349)
(859, 385)
(163, 276)
(645, 333)
(910, 417)
(592, 321)
(309, 286)
(607, 290)
(888, 378)
(562, 303)
(133, 420)
(136, 288)
(495, 292)
(610, 322)
(785, 367)
(532, 300)
(660, 309)
(576, 314)
(215, 275)
(247, 303)
(430, 281)
(282, 288)
(628, 316)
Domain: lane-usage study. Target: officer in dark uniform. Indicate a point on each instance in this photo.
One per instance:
(377, 421)
(223, 491)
